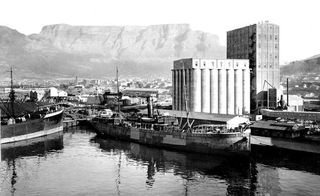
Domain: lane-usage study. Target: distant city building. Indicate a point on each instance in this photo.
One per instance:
(295, 103)
(211, 86)
(54, 92)
(260, 44)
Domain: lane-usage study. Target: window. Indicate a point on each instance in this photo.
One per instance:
(276, 46)
(275, 37)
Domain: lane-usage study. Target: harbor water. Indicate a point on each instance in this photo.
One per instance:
(77, 162)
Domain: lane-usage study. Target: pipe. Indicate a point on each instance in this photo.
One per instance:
(287, 91)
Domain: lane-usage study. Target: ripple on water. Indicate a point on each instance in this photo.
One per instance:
(82, 164)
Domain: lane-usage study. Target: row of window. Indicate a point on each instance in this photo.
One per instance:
(270, 66)
(221, 64)
(270, 37)
(276, 46)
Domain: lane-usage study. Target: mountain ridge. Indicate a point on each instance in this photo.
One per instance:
(305, 66)
(66, 50)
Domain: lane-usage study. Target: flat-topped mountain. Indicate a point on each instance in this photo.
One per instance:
(94, 51)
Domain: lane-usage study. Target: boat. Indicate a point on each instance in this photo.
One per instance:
(163, 130)
(286, 135)
(25, 120)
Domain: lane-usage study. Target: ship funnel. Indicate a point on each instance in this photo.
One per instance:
(150, 107)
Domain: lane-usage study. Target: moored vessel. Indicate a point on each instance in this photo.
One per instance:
(37, 125)
(165, 131)
(283, 135)
(26, 120)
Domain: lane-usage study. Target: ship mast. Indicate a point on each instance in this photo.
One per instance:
(12, 95)
(117, 79)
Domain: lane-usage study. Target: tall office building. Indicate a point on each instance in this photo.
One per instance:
(260, 44)
(211, 86)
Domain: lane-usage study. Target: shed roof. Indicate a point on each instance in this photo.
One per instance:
(201, 115)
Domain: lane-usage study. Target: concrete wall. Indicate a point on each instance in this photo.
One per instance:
(212, 86)
(260, 44)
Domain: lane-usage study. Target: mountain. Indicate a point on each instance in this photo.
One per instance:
(94, 51)
(309, 65)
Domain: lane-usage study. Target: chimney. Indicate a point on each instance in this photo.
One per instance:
(150, 107)
(287, 92)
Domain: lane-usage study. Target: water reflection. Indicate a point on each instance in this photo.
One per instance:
(11, 152)
(80, 163)
(293, 160)
(189, 166)
(33, 147)
(285, 172)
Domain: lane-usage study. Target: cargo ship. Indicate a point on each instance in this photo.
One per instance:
(163, 130)
(40, 123)
(166, 131)
(26, 120)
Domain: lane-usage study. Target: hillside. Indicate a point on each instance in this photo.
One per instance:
(309, 65)
(94, 51)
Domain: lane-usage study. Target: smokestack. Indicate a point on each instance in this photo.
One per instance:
(287, 92)
(150, 107)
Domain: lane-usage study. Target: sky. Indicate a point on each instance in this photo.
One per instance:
(298, 20)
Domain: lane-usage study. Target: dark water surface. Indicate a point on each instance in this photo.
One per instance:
(79, 163)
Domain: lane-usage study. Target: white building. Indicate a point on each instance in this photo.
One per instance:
(295, 103)
(54, 92)
(211, 86)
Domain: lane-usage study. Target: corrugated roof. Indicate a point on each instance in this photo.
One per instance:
(200, 115)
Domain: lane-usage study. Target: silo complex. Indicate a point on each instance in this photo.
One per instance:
(211, 86)
(260, 44)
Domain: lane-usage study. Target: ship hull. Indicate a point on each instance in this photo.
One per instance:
(285, 143)
(233, 143)
(50, 124)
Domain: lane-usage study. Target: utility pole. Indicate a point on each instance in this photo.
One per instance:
(118, 91)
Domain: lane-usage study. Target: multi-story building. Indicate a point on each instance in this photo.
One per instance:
(211, 86)
(260, 44)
